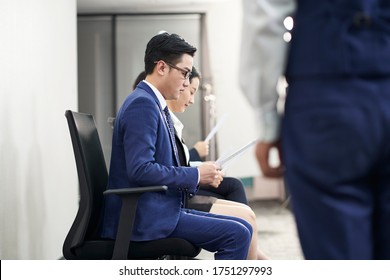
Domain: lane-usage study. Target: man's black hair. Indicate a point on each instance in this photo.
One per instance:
(167, 47)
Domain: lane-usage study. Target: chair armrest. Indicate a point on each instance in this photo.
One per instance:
(129, 197)
(140, 190)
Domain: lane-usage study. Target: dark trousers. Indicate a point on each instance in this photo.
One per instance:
(228, 236)
(231, 188)
(336, 150)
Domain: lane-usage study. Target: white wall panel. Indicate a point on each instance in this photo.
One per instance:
(38, 82)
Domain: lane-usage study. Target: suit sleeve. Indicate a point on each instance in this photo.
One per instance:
(263, 55)
(148, 152)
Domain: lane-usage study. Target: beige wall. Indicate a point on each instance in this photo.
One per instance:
(38, 82)
(224, 26)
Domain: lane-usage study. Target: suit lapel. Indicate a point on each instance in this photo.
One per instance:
(145, 87)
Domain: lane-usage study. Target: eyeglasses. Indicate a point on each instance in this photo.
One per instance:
(186, 73)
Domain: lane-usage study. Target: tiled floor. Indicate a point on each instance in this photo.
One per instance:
(277, 233)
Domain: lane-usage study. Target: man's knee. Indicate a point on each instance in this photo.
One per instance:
(243, 232)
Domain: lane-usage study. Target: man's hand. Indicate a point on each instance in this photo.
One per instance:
(210, 174)
(263, 153)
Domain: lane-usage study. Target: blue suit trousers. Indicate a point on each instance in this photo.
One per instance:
(228, 236)
(336, 150)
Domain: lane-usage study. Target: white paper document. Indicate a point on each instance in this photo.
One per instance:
(224, 160)
(215, 129)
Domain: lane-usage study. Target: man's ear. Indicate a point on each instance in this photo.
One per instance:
(160, 67)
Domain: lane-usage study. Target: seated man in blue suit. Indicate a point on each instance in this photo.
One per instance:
(144, 153)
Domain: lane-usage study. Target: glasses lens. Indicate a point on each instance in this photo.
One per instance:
(187, 75)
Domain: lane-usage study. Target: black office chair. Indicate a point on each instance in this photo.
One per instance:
(83, 240)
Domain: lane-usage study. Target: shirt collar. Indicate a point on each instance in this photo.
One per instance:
(158, 94)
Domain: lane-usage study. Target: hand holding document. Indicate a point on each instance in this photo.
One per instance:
(223, 161)
(215, 129)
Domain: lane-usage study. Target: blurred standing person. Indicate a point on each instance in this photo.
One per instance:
(335, 131)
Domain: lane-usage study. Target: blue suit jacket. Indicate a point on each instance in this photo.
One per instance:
(142, 155)
(340, 37)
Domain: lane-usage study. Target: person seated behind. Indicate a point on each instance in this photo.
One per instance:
(210, 201)
(144, 154)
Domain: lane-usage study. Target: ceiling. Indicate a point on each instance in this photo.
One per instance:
(139, 6)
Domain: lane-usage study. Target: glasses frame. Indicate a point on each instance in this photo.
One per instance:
(186, 73)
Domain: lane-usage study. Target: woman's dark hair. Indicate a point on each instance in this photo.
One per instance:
(167, 47)
(141, 76)
(194, 74)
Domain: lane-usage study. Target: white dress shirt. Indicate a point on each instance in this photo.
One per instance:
(263, 59)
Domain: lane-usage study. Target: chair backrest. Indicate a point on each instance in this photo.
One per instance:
(93, 176)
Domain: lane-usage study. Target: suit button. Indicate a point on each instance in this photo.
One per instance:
(361, 19)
